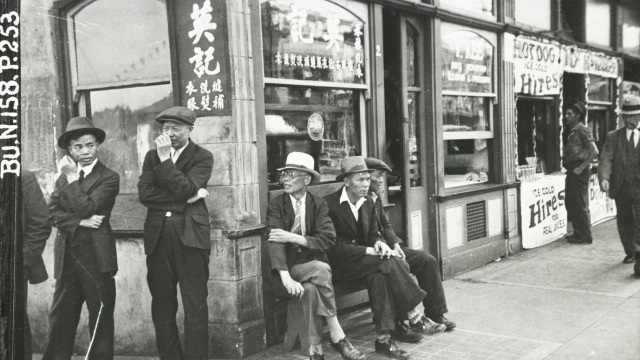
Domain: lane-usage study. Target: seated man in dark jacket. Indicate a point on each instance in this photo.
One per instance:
(421, 264)
(362, 254)
(300, 234)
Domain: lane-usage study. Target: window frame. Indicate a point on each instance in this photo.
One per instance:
(532, 27)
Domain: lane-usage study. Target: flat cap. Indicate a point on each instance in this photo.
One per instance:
(376, 164)
(580, 107)
(177, 113)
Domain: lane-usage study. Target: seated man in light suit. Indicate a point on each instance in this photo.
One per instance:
(300, 234)
(421, 264)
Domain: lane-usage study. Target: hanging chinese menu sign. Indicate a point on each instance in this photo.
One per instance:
(467, 62)
(312, 40)
(202, 45)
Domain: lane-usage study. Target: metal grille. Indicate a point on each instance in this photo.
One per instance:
(476, 221)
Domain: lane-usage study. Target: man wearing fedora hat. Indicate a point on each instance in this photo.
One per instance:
(421, 264)
(85, 260)
(176, 234)
(300, 233)
(362, 254)
(579, 151)
(619, 174)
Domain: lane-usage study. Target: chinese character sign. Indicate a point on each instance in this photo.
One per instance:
(317, 41)
(203, 56)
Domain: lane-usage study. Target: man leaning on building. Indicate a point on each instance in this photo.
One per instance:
(85, 259)
(619, 174)
(177, 235)
(362, 254)
(421, 264)
(580, 150)
(300, 234)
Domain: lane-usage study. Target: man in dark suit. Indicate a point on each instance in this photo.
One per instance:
(421, 264)
(362, 254)
(35, 232)
(177, 235)
(619, 174)
(300, 234)
(85, 248)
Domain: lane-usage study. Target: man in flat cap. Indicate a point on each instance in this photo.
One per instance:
(362, 254)
(421, 264)
(579, 151)
(177, 235)
(300, 235)
(85, 259)
(619, 174)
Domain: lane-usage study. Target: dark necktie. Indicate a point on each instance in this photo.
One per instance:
(81, 177)
(632, 140)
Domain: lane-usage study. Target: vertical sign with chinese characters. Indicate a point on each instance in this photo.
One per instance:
(202, 44)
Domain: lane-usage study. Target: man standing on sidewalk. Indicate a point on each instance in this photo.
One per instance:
(421, 264)
(177, 235)
(579, 151)
(619, 173)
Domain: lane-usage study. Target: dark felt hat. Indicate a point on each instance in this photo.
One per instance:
(179, 114)
(376, 164)
(77, 127)
(580, 107)
(352, 165)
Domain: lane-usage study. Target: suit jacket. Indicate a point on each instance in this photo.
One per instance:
(35, 228)
(318, 226)
(613, 163)
(385, 226)
(73, 202)
(165, 186)
(348, 258)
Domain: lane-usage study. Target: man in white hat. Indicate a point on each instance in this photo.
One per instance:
(619, 174)
(362, 254)
(300, 234)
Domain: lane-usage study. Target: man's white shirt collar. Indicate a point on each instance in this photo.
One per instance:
(636, 135)
(175, 154)
(354, 208)
(87, 169)
(303, 211)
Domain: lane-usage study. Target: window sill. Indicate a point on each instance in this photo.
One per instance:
(456, 193)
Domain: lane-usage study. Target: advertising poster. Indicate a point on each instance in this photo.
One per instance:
(542, 207)
(601, 206)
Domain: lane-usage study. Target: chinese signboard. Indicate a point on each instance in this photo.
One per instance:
(544, 217)
(203, 56)
(317, 41)
(601, 206)
(467, 62)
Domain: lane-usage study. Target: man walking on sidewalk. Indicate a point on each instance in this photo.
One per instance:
(619, 173)
(580, 150)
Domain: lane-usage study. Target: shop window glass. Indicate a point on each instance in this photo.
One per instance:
(599, 124)
(312, 40)
(414, 139)
(480, 6)
(537, 138)
(318, 121)
(598, 22)
(631, 28)
(599, 89)
(412, 57)
(467, 101)
(536, 14)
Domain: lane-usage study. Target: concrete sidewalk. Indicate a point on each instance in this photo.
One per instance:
(559, 301)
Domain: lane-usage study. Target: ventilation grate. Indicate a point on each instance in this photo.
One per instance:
(476, 221)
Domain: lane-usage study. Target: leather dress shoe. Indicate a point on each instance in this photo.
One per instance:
(629, 259)
(428, 326)
(440, 319)
(403, 333)
(390, 350)
(580, 241)
(346, 350)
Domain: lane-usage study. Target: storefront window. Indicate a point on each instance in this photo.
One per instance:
(630, 27)
(121, 69)
(599, 89)
(600, 105)
(537, 138)
(467, 97)
(319, 122)
(536, 14)
(598, 22)
(479, 6)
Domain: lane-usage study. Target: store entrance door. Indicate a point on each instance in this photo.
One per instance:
(405, 121)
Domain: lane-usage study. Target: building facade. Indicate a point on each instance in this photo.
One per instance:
(462, 98)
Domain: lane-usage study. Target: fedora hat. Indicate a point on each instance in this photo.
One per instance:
(352, 165)
(179, 114)
(630, 105)
(376, 164)
(79, 126)
(301, 161)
